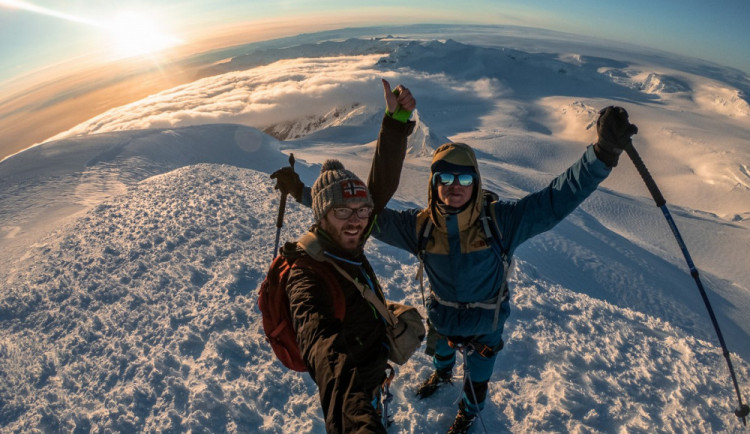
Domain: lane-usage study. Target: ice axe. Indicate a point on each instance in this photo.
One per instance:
(743, 410)
(280, 217)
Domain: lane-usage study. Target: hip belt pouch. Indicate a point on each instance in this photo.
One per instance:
(405, 337)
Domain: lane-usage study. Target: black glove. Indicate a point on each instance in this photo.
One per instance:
(614, 132)
(288, 182)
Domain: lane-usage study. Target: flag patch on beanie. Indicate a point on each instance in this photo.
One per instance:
(353, 188)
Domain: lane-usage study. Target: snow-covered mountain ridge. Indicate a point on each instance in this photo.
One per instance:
(496, 92)
(302, 127)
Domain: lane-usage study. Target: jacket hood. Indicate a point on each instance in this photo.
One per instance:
(454, 156)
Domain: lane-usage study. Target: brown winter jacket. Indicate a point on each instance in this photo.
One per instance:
(347, 359)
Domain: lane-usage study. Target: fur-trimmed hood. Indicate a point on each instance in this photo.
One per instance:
(455, 156)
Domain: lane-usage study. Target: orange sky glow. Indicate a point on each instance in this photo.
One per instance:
(53, 99)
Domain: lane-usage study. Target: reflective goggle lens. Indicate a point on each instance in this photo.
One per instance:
(464, 179)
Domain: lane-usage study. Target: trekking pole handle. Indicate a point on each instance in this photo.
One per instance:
(282, 202)
(280, 218)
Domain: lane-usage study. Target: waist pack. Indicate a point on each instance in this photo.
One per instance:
(406, 335)
(404, 327)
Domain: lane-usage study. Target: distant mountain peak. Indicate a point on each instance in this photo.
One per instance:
(301, 127)
(423, 141)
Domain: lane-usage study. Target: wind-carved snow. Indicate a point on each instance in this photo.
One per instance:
(648, 82)
(709, 95)
(568, 341)
(658, 83)
(724, 100)
(141, 316)
(143, 313)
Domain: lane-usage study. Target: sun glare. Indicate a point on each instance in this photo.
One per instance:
(133, 33)
(136, 34)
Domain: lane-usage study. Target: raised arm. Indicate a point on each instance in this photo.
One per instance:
(388, 159)
(542, 210)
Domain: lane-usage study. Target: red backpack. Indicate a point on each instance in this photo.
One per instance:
(274, 305)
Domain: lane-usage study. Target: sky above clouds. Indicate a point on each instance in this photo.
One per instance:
(39, 33)
(63, 62)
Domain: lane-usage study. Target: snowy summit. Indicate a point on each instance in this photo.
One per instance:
(132, 246)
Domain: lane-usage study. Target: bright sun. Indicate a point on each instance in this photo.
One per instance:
(133, 33)
(136, 34)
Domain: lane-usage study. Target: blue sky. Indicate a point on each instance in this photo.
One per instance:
(34, 38)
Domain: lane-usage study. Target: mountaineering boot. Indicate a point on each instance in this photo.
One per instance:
(462, 423)
(429, 386)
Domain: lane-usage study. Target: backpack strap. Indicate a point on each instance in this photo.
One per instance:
(424, 236)
(315, 251)
(323, 271)
(488, 219)
(425, 232)
(367, 294)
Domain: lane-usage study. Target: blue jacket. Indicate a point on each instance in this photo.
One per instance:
(460, 265)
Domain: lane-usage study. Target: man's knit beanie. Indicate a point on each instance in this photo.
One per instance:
(337, 187)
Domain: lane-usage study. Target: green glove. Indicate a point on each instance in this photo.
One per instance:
(400, 114)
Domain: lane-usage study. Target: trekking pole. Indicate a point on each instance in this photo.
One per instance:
(743, 410)
(280, 218)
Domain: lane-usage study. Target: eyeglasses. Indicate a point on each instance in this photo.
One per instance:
(447, 178)
(345, 213)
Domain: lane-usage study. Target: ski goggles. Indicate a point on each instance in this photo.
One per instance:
(447, 178)
(345, 213)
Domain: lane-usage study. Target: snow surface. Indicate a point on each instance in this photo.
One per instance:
(132, 246)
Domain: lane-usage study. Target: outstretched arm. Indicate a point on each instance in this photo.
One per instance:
(540, 211)
(388, 160)
(389, 153)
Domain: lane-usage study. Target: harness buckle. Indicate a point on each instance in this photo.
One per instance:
(484, 350)
(470, 345)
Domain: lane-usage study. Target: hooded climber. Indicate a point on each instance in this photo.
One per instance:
(465, 249)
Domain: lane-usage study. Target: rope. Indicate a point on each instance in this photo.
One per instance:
(467, 378)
